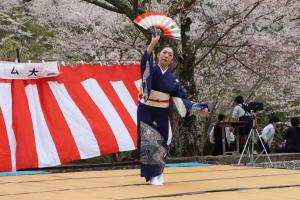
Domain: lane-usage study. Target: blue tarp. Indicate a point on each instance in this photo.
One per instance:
(188, 164)
(21, 173)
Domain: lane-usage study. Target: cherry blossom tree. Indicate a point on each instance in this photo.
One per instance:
(20, 30)
(86, 33)
(246, 43)
(228, 47)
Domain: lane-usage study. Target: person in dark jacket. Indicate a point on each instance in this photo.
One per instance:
(215, 136)
(291, 138)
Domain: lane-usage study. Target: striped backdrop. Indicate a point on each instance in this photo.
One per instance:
(87, 111)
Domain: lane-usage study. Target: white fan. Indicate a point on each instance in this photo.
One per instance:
(155, 19)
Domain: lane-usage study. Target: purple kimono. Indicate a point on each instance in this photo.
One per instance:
(153, 122)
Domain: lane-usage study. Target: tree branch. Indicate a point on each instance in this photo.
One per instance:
(252, 9)
(228, 45)
(217, 41)
(226, 32)
(246, 66)
(104, 5)
(249, 68)
(125, 7)
(258, 83)
(199, 41)
(228, 56)
(135, 4)
(179, 6)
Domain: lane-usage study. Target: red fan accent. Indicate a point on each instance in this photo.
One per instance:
(156, 19)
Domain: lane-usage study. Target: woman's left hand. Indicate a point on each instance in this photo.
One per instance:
(204, 112)
(199, 109)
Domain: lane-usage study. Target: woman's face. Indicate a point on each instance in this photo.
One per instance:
(165, 57)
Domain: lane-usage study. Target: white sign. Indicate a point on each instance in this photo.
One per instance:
(10, 70)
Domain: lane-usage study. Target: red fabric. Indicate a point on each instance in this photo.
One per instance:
(71, 78)
(61, 133)
(26, 155)
(5, 158)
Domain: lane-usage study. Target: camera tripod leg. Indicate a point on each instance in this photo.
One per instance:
(259, 155)
(245, 146)
(250, 151)
(264, 150)
(252, 147)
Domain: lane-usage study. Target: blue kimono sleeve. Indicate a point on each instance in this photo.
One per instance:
(146, 74)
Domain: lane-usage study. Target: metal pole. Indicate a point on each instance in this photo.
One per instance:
(18, 55)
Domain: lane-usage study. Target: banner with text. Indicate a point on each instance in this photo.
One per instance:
(10, 70)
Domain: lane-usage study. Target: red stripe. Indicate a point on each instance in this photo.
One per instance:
(160, 101)
(113, 73)
(133, 91)
(99, 125)
(120, 108)
(167, 32)
(26, 154)
(5, 153)
(147, 14)
(86, 71)
(57, 125)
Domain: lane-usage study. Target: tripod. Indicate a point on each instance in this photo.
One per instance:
(250, 143)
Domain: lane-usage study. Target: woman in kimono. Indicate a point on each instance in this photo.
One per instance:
(159, 87)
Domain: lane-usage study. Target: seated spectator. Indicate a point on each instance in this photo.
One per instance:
(215, 136)
(230, 138)
(268, 133)
(291, 138)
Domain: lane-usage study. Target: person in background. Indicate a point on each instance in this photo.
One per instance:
(268, 133)
(215, 136)
(241, 113)
(291, 138)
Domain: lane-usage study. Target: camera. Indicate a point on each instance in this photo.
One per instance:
(255, 106)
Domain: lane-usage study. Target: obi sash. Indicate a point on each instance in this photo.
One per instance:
(156, 99)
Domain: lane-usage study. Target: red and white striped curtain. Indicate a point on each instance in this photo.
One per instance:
(87, 111)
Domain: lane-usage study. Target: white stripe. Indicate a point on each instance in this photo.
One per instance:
(46, 149)
(120, 131)
(138, 84)
(144, 23)
(170, 134)
(180, 106)
(126, 98)
(6, 107)
(82, 133)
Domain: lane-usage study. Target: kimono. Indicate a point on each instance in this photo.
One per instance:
(154, 131)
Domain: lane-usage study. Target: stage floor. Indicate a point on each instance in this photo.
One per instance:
(202, 182)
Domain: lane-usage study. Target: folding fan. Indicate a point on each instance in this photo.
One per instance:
(154, 19)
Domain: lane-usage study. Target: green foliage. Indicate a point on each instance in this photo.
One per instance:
(20, 30)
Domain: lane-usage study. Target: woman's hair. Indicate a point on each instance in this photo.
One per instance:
(163, 47)
(239, 100)
(221, 117)
(273, 119)
(295, 121)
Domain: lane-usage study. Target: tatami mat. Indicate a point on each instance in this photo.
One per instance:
(201, 182)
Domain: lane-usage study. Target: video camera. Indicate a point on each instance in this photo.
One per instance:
(255, 106)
